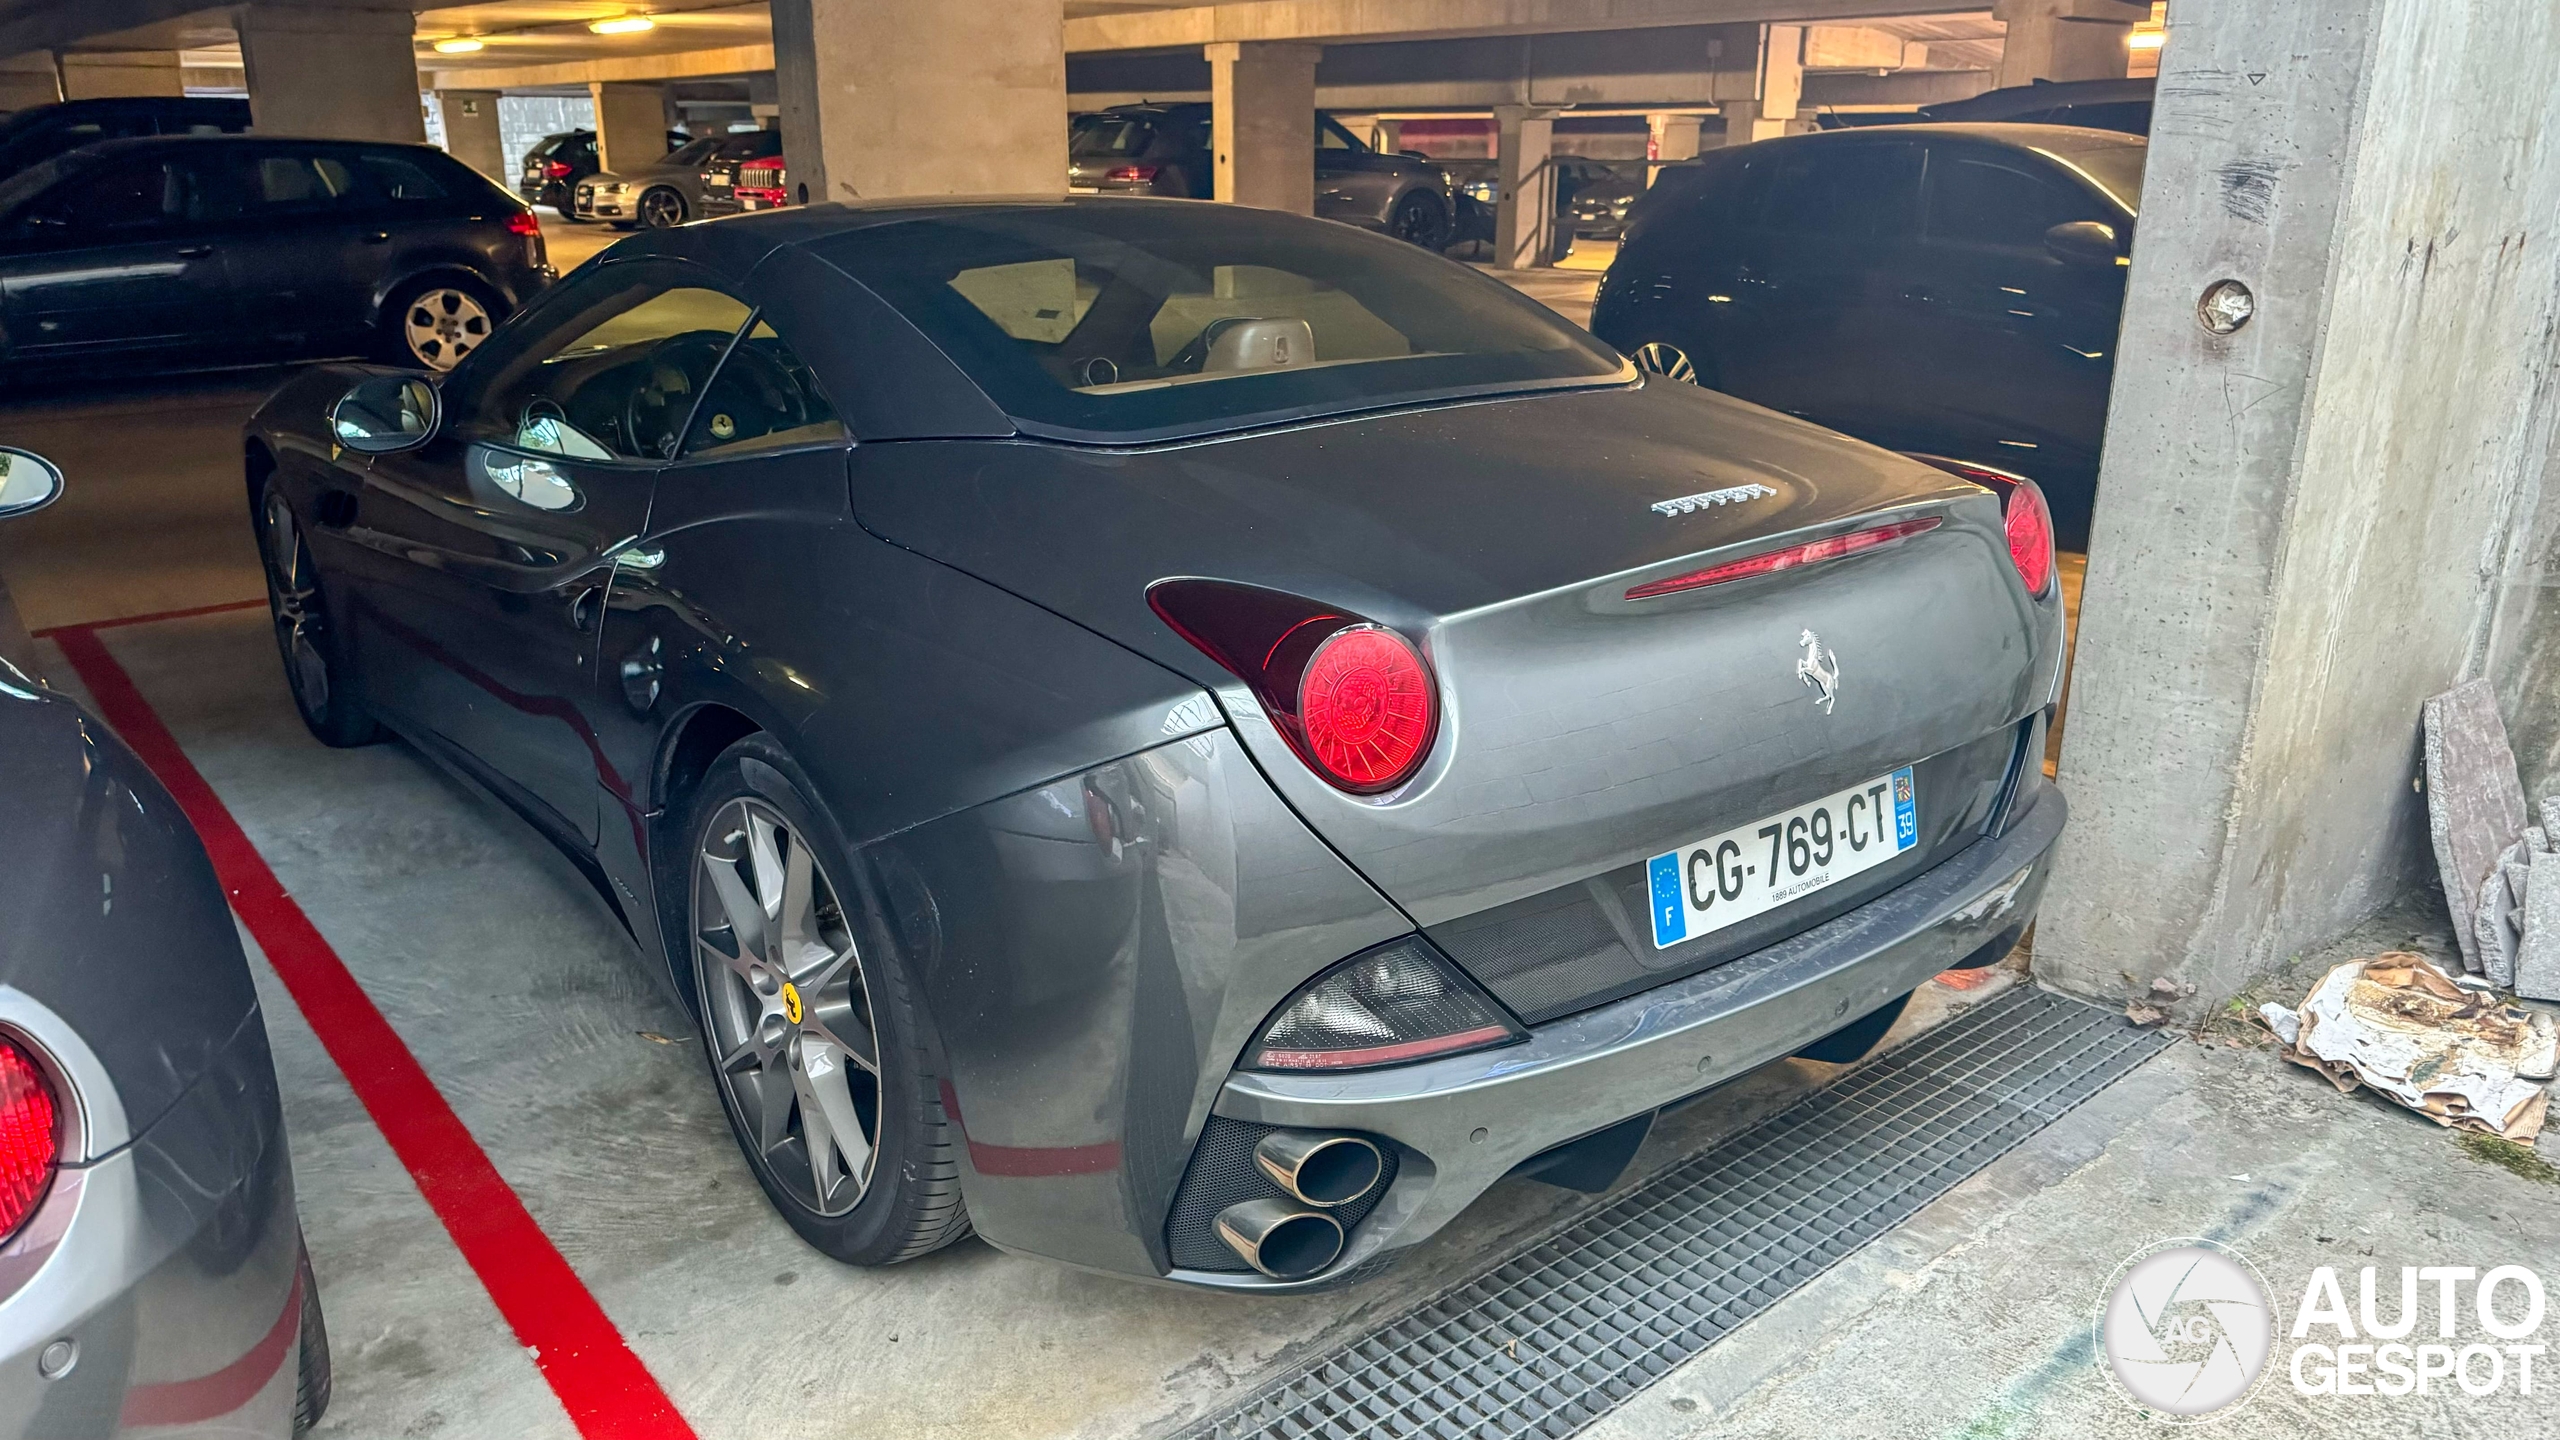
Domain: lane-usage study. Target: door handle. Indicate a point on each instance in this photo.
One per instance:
(583, 608)
(194, 252)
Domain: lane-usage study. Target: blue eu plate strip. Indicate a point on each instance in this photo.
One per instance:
(1670, 918)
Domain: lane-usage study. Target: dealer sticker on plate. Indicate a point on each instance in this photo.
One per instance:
(1760, 866)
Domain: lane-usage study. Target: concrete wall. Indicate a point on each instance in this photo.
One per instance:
(884, 98)
(98, 75)
(2305, 528)
(348, 73)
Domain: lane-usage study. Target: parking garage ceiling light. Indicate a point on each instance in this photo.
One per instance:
(458, 45)
(623, 25)
(2147, 39)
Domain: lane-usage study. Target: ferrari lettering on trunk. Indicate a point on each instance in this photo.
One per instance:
(1755, 868)
(1709, 499)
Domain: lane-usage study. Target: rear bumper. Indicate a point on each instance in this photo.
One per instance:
(1465, 1122)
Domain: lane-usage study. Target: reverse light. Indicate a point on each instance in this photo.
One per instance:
(1354, 698)
(1397, 1003)
(30, 1136)
(1132, 174)
(2030, 528)
(1769, 562)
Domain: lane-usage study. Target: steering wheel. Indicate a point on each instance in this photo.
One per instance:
(765, 382)
(670, 368)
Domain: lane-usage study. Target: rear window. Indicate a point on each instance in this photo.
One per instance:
(2113, 165)
(400, 178)
(1107, 136)
(1129, 320)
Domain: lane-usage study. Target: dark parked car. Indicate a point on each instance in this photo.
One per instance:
(1601, 197)
(1477, 184)
(212, 251)
(1946, 289)
(151, 1264)
(2123, 105)
(1164, 150)
(697, 179)
(44, 131)
(553, 168)
(1144, 727)
(725, 170)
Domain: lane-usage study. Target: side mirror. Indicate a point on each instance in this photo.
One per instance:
(384, 413)
(28, 482)
(2084, 242)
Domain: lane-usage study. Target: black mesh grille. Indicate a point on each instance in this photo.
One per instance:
(1222, 1173)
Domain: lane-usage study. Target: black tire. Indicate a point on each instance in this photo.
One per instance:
(911, 1203)
(570, 214)
(311, 1377)
(309, 639)
(1420, 219)
(392, 329)
(661, 209)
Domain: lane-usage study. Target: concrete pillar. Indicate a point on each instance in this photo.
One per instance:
(1262, 104)
(471, 132)
(340, 71)
(631, 124)
(1524, 218)
(764, 101)
(883, 98)
(29, 79)
(101, 74)
(2066, 39)
(1777, 89)
(1390, 135)
(2304, 526)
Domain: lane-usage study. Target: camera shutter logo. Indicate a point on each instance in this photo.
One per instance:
(2187, 1329)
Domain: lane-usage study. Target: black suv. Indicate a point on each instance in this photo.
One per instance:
(231, 250)
(44, 131)
(553, 168)
(1164, 150)
(1950, 290)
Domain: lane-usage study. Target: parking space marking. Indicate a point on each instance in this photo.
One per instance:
(607, 1391)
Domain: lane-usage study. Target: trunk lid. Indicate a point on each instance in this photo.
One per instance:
(1580, 732)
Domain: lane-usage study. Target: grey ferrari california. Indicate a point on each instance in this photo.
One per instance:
(1190, 741)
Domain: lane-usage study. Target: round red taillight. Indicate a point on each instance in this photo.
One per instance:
(1367, 709)
(2030, 528)
(30, 1136)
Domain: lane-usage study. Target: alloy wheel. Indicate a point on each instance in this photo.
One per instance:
(661, 209)
(444, 324)
(1417, 221)
(1661, 357)
(294, 598)
(786, 1007)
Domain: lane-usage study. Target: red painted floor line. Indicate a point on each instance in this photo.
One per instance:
(605, 1388)
(155, 616)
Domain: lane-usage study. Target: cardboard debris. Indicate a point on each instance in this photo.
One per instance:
(2475, 803)
(2402, 1026)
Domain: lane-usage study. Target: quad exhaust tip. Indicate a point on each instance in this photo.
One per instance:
(1280, 1239)
(1317, 1168)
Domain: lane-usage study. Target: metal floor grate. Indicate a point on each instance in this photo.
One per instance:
(1554, 1338)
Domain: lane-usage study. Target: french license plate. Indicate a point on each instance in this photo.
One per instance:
(1754, 868)
(749, 202)
(1084, 189)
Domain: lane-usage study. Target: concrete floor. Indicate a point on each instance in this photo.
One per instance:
(524, 1004)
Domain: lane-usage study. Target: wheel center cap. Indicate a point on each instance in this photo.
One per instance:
(791, 1007)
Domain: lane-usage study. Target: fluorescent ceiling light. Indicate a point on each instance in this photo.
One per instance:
(623, 25)
(2146, 39)
(458, 45)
